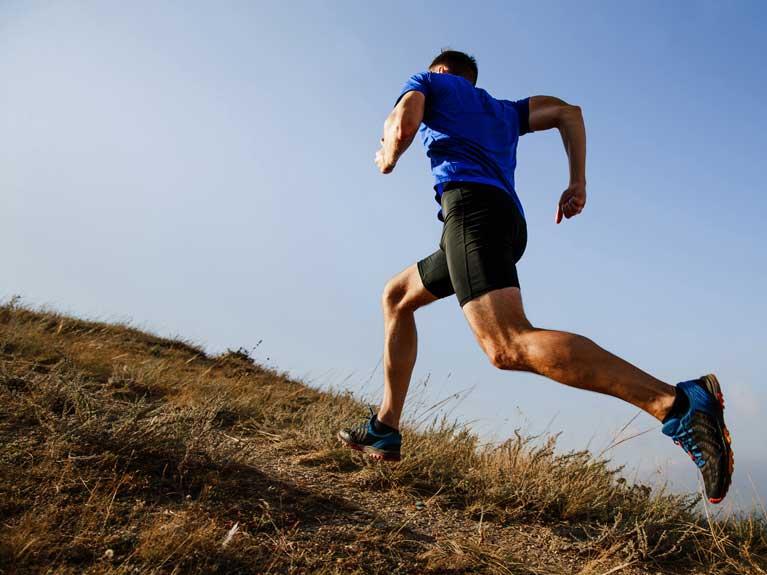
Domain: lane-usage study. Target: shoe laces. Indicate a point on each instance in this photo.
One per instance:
(686, 441)
(361, 428)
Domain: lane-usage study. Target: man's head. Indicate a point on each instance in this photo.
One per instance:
(456, 63)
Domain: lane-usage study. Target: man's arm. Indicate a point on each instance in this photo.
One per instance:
(399, 129)
(547, 112)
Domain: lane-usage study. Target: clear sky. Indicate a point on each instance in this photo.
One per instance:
(206, 169)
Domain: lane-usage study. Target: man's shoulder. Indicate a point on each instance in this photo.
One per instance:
(421, 78)
(437, 79)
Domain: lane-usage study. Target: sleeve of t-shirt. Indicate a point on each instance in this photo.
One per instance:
(418, 82)
(523, 113)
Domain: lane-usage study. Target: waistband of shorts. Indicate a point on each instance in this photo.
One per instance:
(479, 185)
(477, 193)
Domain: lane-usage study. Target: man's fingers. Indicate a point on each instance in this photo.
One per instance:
(570, 205)
(570, 209)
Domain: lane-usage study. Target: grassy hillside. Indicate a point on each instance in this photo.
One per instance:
(123, 452)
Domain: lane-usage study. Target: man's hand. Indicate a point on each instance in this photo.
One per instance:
(385, 166)
(572, 201)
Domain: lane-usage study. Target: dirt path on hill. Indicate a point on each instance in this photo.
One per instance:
(338, 519)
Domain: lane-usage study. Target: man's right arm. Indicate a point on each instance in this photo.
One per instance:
(548, 112)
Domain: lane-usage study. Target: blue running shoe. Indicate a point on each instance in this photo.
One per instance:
(701, 432)
(363, 437)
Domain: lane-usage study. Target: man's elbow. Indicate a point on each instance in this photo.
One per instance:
(400, 129)
(405, 130)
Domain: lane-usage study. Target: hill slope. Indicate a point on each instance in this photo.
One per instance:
(123, 452)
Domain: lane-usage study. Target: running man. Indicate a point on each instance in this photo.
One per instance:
(471, 140)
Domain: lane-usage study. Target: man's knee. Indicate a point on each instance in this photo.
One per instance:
(510, 355)
(397, 298)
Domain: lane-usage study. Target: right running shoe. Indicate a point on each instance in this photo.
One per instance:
(701, 432)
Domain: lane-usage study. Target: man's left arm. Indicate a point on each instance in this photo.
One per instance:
(548, 112)
(399, 129)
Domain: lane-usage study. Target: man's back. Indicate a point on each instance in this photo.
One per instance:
(469, 136)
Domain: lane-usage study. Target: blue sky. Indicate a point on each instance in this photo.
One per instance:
(205, 169)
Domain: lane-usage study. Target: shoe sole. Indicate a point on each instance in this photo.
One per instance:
(371, 452)
(711, 383)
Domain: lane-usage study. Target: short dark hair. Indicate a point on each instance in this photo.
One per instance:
(459, 63)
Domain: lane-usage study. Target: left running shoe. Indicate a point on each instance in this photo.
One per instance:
(380, 446)
(701, 432)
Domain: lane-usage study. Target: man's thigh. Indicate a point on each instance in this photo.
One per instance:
(497, 317)
(435, 275)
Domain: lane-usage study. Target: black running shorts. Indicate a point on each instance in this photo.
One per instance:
(483, 237)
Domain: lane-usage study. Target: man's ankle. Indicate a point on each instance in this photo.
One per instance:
(382, 427)
(669, 405)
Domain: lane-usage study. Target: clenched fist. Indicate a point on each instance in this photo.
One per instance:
(572, 202)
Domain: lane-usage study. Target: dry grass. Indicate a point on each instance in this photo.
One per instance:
(123, 452)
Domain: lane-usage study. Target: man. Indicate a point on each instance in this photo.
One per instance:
(471, 139)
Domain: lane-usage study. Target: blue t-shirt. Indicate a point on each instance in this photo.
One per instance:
(469, 136)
